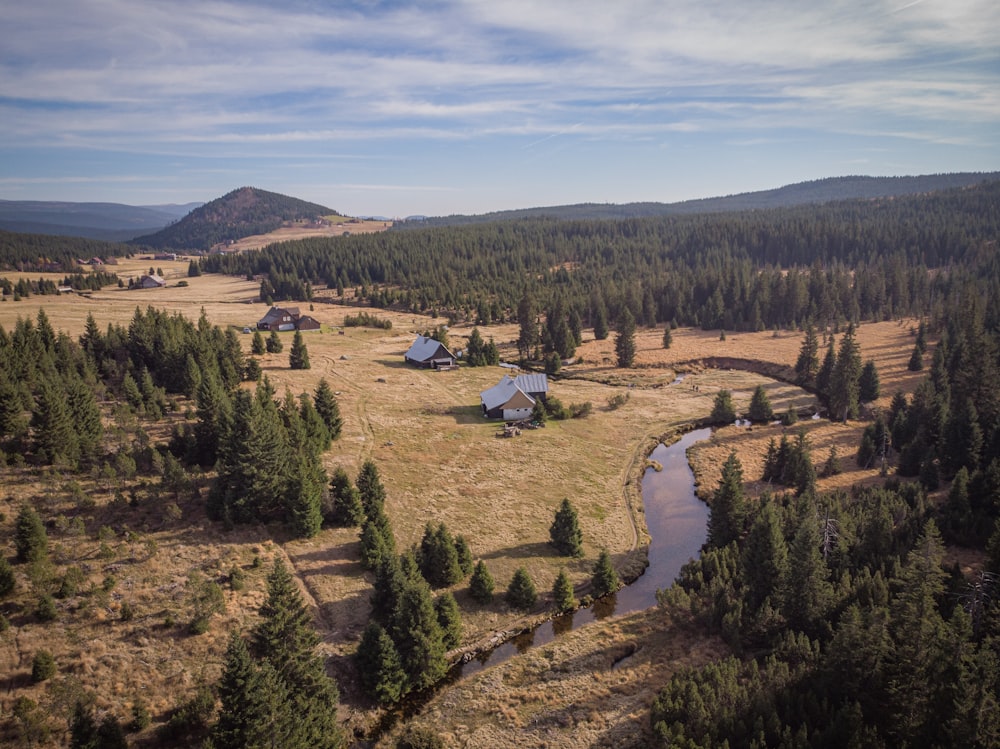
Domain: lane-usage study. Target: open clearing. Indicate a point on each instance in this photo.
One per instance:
(439, 460)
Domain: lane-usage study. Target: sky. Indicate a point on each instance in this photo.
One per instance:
(464, 106)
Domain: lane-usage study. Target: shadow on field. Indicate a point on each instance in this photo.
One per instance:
(521, 552)
(391, 363)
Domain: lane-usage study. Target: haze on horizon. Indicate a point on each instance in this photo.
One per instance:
(463, 106)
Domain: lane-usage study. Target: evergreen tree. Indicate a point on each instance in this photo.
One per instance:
(464, 555)
(111, 734)
(481, 584)
(450, 620)
(869, 388)
(345, 501)
(808, 590)
(242, 715)
(83, 727)
(369, 485)
(604, 578)
(317, 433)
(390, 579)
(723, 411)
(418, 636)
(329, 410)
(286, 641)
(562, 593)
(600, 312)
(845, 379)
(760, 406)
(86, 417)
(274, 344)
(304, 496)
(915, 661)
(916, 362)
(824, 377)
(521, 593)
(625, 340)
(807, 365)
(30, 540)
(379, 667)
(565, 533)
(55, 438)
(298, 358)
(764, 565)
(214, 411)
(377, 540)
(725, 523)
(257, 346)
(527, 337)
(668, 337)
(438, 557)
(7, 579)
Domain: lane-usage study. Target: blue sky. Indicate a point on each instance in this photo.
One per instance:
(466, 106)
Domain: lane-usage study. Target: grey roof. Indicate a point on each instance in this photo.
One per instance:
(532, 383)
(504, 390)
(425, 348)
(499, 394)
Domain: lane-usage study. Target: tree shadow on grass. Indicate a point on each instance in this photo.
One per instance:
(524, 551)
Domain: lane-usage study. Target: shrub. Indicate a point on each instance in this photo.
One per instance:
(581, 410)
(617, 400)
(43, 667)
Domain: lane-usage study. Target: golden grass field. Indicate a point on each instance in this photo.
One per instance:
(439, 461)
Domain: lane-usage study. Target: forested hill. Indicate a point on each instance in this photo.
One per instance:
(241, 213)
(801, 193)
(852, 260)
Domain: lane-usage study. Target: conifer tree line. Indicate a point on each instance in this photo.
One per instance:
(835, 263)
(52, 391)
(845, 624)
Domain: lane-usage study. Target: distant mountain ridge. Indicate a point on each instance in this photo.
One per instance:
(106, 221)
(801, 193)
(244, 212)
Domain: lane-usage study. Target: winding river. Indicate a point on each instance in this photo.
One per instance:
(678, 524)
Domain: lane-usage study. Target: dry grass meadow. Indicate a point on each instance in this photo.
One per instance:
(440, 461)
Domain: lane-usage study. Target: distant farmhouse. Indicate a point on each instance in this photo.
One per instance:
(429, 354)
(152, 281)
(514, 398)
(287, 318)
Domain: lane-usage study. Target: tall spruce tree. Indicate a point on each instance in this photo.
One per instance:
(604, 578)
(450, 619)
(345, 509)
(379, 667)
(625, 340)
(869, 387)
(845, 379)
(562, 592)
(764, 558)
(728, 510)
(565, 533)
(723, 411)
(370, 488)
(481, 584)
(760, 406)
(521, 593)
(439, 562)
(418, 635)
(286, 641)
(30, 539)
(807, 365)
(329, 410)
(298, 357)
